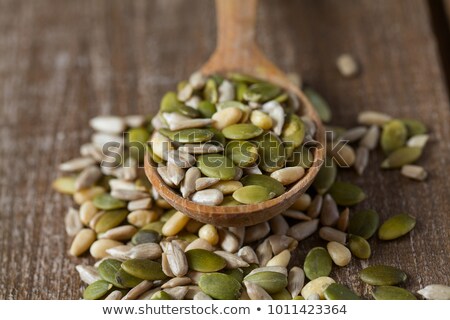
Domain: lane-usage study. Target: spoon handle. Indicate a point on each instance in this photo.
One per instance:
(237, 49)
(236, 22)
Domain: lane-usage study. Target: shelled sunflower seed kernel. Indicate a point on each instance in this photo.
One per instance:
(238, 122)
(148, 250)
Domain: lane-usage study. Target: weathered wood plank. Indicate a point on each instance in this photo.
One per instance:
(64, 62)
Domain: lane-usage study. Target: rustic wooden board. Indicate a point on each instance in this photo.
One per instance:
(64, 62)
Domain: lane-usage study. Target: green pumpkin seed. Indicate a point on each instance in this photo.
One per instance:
(261, 92)
(319, 103)
(382, 275)
(153, 155)
(108, 269)
(204, 260)
(155, 226)
(298, 298)
(364, 223)
(394, 136)
(229, 201)
(400, 157)
(250, 268)
(293, 133)
(216, 165)
(241, 88)
(167, 215)
(252, 194)
(137, 142)
(206, 109)
(231, 104)
(242, 153)
(186, 236)
(301, 156)
(218, 137)
(267, 182)
(65, 184)
(242, 131)
(161, 295)
(188, 135)
(359, 247)
(238, 274)
(144, 269)
(318, 263)
(271, 152)
(210, 91)
(346, 194)
(146, 236)
(235, 76)
(126, 280)
(170, 103)
(325, 177)
(396, 226)
(97, 290)
(105, 201)
(281, 295)
(414, 127)
(220, 286)
(270, 281)
(110, 219)
(392, 293)
(336, 291)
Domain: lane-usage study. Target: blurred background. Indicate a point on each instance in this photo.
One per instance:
(64, 62)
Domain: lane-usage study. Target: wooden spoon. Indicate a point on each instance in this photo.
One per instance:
(237, 51)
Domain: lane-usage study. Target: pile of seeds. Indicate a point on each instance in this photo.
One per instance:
(147, 250)
(216, 137)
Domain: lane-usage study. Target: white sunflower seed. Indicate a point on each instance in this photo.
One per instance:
(228, 241)
(202, 296)
(72, 222)
(162, 170)
(264, 252)
(279, 225)
(140, 204)
(181, 159)
(418, 141)
(296, 280)
(119, 233)
(233, 261)
(279, 243)
(91, 151)
(177, 293)
(199, 244)
(115, 295)
(353, 134)
(209, 197)
(281, 270)
(185, 93)
(176, 259)
(256, 232)
(175, 173)
(177, 121)
(88, 274)
(276, 112)
(108, 124)
(200, 148)
(347, 65)
(76, 164)
(205, 182)
(226, 91)
(435, 292)
(197, 80)
(361, 159)
(87, 178)
(255, 292)
(135, 121)
(128, 195)
(248, 255)
(414, 172)
(175, 282)
(280, 260)
(188, 184)
(331, 234)
(373, 117)
(294, 214)
(329, 215)
(137, 291)
(303, 230)
(370, 139)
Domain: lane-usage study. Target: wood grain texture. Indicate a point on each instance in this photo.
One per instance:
(62, 62)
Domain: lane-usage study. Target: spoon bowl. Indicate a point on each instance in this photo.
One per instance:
(237, 51)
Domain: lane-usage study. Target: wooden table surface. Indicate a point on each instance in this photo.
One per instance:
(63, 62)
